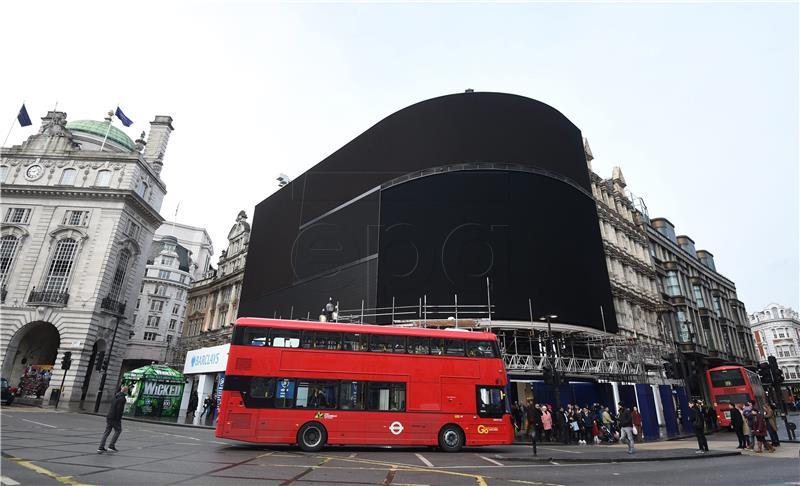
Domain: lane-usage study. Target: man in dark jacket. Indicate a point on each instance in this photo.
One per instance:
(737, 422)
(114, 421)
(534, 416)
(626, 424)
(698, 419)
(192, 408)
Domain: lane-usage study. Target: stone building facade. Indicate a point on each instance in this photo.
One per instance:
(179, 256)
(213, 301)
(777, 333)
(81, 202)
(707, 319)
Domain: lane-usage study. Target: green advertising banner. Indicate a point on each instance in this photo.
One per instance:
(155, 391)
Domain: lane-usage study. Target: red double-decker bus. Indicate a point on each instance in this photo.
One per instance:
(312, 384)
(730, 385)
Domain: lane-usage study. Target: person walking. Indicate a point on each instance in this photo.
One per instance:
(534, 416)
(206, 406)
(114, 421)
(698, 419)
(637, 423)
(626, 424)
(192, 408)
(747, 411)
(760, 431)
(772, 425)
(737, 422)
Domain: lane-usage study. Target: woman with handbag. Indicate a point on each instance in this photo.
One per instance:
(637, 424)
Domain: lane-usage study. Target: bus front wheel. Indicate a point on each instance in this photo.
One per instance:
(451, 438)
(312, 437)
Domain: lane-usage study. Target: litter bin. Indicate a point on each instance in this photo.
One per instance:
(55, 394)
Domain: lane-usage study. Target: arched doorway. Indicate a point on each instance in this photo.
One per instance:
(31, 353)
(98, 355)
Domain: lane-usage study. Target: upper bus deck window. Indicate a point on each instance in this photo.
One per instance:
(454, 347)
(382, 343)
(355, 342)
(255, 336)
(481, 349)
(732, 377)
(285, 338)
(419, 345)
(321, 340)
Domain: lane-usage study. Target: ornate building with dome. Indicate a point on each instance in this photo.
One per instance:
(81, 203)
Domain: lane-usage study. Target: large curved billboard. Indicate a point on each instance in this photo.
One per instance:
(430, 202)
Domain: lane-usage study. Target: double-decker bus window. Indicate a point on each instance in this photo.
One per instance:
(385, 397)
(437, 346)
(351, 395)
(491, 401)
(307, 340)
(251, 336)
(328, 340)
(317, 394)
(261, 393)
(355, 342)
(285, 338)
(481, 349)
(418, 345)
(732, 377)
(381, 343)
(734, 398)
(284, 392)
(454, 347)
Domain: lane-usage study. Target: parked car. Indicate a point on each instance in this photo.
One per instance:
(6, 392)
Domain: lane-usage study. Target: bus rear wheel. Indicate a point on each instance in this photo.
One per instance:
(451, 438)
(312, 437)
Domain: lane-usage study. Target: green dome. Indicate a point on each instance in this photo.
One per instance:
(99, 128)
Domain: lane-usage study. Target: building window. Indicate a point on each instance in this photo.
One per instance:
(68, 177)
(17, 215)
(161, 290)
(150, 336)
(781, 333)
(157, 305)
(163, 274)
(698, 296)
(172, 323)
(103, 178)
(75, 218)
(167, 260)
(221, 317)
(152, 321)
(131, 229)
(141, 189)
(61, 266)
(672, 284)
(717, 306)
(169, 338)
(8, 250)
(119, 275)
(175, 309)
(3, 172)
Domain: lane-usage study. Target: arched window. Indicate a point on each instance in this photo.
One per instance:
(8, 249)
(103, 178)
(61, 266)
(3, 172)
(68, 177)
(119, 275)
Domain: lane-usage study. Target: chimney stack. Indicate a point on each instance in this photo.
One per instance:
(157, 140)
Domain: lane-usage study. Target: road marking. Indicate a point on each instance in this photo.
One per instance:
(39, 423)
(424, 461)
(45, 472)
(498, 463)
(560, 450)
(352, 455)
(8, 481)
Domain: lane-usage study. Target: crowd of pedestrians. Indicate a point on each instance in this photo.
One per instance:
(574, 424)
(752, 426)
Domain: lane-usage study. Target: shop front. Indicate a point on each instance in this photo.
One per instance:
(205, 370)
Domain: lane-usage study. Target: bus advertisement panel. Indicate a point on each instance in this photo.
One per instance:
(312, 384)
(730, 385)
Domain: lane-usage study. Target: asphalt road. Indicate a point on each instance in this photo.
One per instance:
(52, 447)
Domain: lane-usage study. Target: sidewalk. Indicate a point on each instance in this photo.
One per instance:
(615, 453)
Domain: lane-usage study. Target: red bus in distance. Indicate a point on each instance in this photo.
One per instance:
(730, 385)
(315, 384)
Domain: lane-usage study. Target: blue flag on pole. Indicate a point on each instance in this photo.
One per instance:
(124, 119)
(23, 118)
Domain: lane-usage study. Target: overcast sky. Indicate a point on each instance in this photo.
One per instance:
(698, 103)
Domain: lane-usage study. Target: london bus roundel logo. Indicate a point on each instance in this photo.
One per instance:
(396, 428)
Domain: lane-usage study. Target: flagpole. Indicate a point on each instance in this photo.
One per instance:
(110, 119)
(12, 126)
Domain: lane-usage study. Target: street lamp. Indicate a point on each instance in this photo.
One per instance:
(555, 380)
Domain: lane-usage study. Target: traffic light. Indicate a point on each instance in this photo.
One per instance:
(777, 373)
(547, 373)
(101, 361)
(765, 373)
(66, 360)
